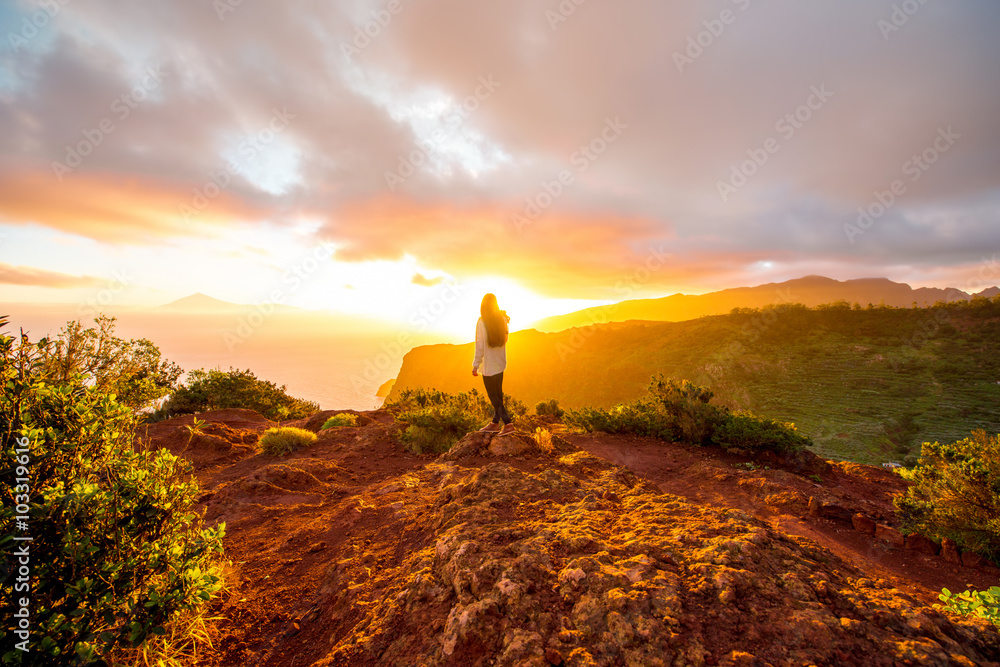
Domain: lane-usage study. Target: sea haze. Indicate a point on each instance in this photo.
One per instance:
(336, 361)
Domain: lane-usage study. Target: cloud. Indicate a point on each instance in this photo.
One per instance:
(411, 99)
(419, 279)
(26, 275)
(115, 208)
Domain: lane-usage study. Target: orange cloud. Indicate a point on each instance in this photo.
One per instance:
(558, 254)
(26, 275)
(116, 208)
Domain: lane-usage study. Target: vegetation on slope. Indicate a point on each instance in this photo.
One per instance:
(867, 384)
(116, 551)
(680, 411)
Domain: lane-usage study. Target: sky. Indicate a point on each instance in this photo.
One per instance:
(373, 158)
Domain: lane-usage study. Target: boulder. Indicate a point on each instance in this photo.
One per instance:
(925, 545)
(817, 508)
(889, 535)
(863, 524)
(950, 552)
(511, 445)
(970, 559)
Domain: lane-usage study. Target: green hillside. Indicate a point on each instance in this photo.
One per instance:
(867, 385)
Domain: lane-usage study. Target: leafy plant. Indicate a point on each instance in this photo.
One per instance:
(956, 494)
(342, 419)
(117, 550)
(216, 390)
(285, 440)
(196, 427)
(985, 604)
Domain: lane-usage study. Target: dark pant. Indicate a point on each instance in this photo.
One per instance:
(494, 391)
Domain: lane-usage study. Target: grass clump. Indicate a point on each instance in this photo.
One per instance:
(343, 419)
(285, 440)
(956, 494)
(436, 420)
(678, 410)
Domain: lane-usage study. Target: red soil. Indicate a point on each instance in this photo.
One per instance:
(320, 540)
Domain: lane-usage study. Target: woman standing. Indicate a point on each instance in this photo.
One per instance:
(491, 354)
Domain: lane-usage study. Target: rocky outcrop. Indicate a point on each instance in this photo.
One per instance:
(524, 550)
(522, 568)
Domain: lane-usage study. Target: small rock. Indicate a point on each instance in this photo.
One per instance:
(863, 524)
(819, 509)
(890, 535)
(319, 546)
(553, 656)
(921, 544)
(950, 552)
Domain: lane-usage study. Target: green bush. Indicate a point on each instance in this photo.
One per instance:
(549, 407)
(745, 430)
(215, 390)
(678, 410)
(437, 420)
(117, 549)
(956, 494)
(284, 440)
(343, 419)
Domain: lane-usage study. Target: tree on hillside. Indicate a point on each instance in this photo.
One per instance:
(132, 370)
(956, 493)
(116, 550)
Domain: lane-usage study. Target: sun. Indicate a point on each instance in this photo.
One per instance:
(523, 306)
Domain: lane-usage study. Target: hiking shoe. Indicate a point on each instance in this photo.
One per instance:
(492, 427)
(507, 429)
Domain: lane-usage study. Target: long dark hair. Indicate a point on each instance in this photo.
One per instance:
(495, 321)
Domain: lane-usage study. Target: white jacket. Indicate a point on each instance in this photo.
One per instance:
(492, 359)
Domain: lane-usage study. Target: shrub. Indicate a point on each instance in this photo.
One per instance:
(543, 438)
(437, 420)
(117, 550)
(680, 411)
(342, 419)
(284, 440)
(956, 494)
(549, 407)
(745, 430)
(215, 390)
